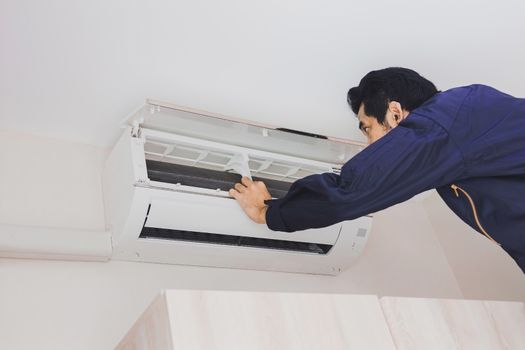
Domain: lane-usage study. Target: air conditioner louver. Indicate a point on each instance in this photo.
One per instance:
(240, 241)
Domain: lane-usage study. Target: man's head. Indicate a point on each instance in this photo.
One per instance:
(385, 97)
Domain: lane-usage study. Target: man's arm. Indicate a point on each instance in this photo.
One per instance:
(416, 156)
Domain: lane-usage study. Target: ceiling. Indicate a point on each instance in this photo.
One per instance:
(75, 69)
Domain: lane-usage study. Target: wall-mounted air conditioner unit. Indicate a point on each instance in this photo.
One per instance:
(166, 196)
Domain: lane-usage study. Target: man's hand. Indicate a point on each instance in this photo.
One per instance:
(251, 196)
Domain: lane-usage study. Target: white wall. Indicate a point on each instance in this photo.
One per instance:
(50, 183)
(82, 305)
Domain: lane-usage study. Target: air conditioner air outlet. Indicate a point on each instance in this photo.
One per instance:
(232, 240)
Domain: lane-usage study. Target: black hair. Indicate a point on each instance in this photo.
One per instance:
(380, 87)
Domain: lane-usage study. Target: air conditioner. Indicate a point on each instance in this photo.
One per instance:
(166, 196)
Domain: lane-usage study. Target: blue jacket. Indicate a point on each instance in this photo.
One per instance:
(467, 142)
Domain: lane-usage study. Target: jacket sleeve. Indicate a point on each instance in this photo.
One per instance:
(416, 156)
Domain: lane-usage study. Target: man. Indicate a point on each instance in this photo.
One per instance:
(467, 142)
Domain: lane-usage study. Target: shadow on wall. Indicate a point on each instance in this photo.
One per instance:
(482, 269)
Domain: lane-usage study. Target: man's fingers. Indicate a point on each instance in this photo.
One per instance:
(246, 181)
(233, 193)
(240, 188)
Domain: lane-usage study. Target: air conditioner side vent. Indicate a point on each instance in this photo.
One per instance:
(233, 240)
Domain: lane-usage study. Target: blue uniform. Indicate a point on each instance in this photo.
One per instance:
(467, 142)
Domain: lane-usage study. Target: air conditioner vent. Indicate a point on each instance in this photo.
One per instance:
(243, 241)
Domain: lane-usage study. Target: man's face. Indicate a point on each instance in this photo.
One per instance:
(370, 127)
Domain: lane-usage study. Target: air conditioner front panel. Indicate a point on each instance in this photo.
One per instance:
(346, 249)
(173, 119)
(197, 213)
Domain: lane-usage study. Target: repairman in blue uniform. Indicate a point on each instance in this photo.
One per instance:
(466, 142)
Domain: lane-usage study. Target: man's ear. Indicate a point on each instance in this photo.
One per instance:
(398, 113)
